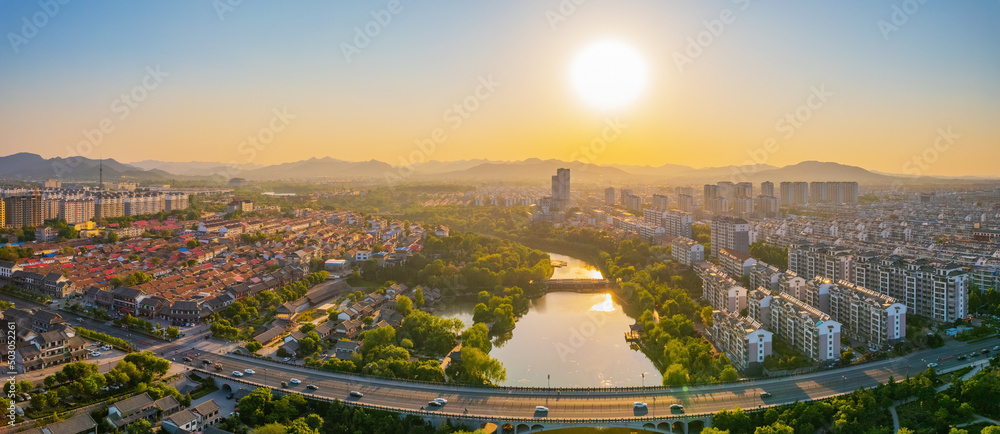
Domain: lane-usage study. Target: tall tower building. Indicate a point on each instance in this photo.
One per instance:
(560, 189)
(609, 196)
(767, 188)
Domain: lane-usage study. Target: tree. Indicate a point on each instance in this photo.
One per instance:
(404, 305)
(711, 430)
(377, 338)
(728, 375)
(193, 243)
(775, 428)
(255, 406)
(676, 375)
(706, 316)
(113, 237)
(254, 346)
(479, 366)
(271, 428)
(141, 426)
(172, 332)
(988, 430)
(418, 297)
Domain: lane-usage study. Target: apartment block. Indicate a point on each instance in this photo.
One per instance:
(811, 260)
(686, 251)
(730, 233)
(931, 289)
(737, 264)
(742, 339)
(813, 333)
(721, 291)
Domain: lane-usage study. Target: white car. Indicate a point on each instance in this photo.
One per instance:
(441, 400)
(249, 371)
(294, 381)
(286, 359)
(106, 348)
(541, 409)
(932, 365)
(639, 404)
(237, 374)
(95, 353)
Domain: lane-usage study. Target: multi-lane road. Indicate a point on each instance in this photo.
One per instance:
(606, 403)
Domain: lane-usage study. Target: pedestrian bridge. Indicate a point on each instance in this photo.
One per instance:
(579, 285)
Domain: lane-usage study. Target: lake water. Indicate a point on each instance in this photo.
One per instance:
(569, 339)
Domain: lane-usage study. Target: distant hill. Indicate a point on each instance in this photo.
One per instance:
(28, 166)
(190, 168)
(325, 168)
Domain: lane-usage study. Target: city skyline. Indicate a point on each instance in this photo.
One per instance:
(866, 84)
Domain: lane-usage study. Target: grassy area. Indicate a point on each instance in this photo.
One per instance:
(785, 357)
(957, 374)
(357, 281)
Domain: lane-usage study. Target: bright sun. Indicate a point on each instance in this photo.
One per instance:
(609, 74)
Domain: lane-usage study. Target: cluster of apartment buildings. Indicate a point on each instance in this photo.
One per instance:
(43, 339)
(31, 207)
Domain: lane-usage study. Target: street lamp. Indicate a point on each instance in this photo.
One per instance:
(548, 378)
(643, 379)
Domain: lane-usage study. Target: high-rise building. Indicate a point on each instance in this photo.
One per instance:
(767, 206)
(812, 260)
(711, 191)
(742, 339)
(560, 189)
(767, 188)
(928, 288)
(609, 196)
(677, 223)
(731, 233)
(23, 211)
(622, 194)
(53, 183)
(744, 189)
(661, 202)
(632, 202)
(794, 193)
(685, 202)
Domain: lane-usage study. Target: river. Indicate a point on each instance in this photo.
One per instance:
(569, 339)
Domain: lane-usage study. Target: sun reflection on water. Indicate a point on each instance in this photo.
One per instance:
(605, 306)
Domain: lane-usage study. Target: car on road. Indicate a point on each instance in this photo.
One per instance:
(434, 403)
(541, 409)
(677, 407)
(996, 347)
(357, 394)
(249, 371)
(441, 400)
(985, 351)
(79, 319)
(638, 404)
(286, 359)
(974, 355)
(106, 348)
(764, 395)
(95, 353)
(960, 358)
(237, 374)
(312, 387)
(295, 381)
(186, 359)
(206, 361)
(932, 365)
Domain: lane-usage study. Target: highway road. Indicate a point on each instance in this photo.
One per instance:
(607, 403)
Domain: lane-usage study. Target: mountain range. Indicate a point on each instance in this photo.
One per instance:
(32, 167)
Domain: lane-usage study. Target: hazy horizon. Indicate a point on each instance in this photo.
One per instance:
(711, 84)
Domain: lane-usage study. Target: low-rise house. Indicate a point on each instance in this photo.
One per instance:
(126, 411)
(79, 424)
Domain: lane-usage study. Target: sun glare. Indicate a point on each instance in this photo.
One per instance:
(609, 74)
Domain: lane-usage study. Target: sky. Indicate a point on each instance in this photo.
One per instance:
(892, 86)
